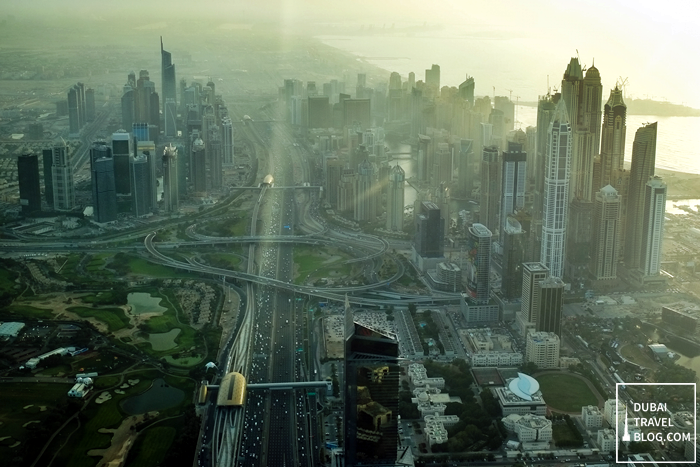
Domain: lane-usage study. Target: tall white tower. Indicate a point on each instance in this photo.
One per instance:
(556, 191)
(395, 199)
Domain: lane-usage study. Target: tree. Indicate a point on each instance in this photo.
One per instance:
(412, 307)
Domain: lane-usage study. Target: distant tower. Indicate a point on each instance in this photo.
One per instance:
(227, 141)
(73, 112)
(365, 205)
(465, 166)
(29, 184)
(346, 191)
(478, 265)
(62, 179)
(606, 234)
(198, 165)
(612, 146)
(490, 189)
(653, 226)
(466, 90)
(121, 153)
(171, 197)
(643, 163)
(556, 192)
(89, 104)
(128, 106)
(513, 181)
(395, 199)
(432, 80)
(169, 87)
(104, 195)
(551, 306)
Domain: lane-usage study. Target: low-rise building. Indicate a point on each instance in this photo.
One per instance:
(521, 396)
(497, 359)
(542, 349)
(591, 416)
(79, 390)
(10, 329)
(34, 362)
(606, 440)
(529, 427)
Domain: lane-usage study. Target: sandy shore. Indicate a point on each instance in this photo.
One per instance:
(681, 185)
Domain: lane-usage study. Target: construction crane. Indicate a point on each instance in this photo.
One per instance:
(622, 83)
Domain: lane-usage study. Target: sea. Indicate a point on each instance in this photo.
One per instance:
(503, 63)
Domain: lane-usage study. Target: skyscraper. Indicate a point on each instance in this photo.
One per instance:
(29, 185)
(612, 145)
(467, 173)
(432, 80)
(371, 395)
(366, 200)
(490, 189)
(606, 234)
(121, 153)
(141, 186)
(141, 131)
(533, 275)
(643, 163)
(466, 90)
(73, 112)
(128, 106)
(227, 141)
(478, 265)
(545, 110)
(62, 179)
(429, 239)
(585, 125)
(169, 88)
(89, 105)
(148, 149)
(513, 241)
(47, 156)
(556, 192)
(171, 196)
(104, 195)
(513, 181)
(395, 199)
(551, 306)
(198, 165)
(653, 227)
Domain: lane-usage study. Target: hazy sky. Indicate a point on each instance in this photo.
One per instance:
(653, 43)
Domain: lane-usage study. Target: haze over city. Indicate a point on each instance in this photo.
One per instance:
(325, 233)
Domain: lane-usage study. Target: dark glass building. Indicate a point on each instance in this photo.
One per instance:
(104, 196)
(47, 156)
(121, 152)
(371, 395)
(429, 231)
(29, 187)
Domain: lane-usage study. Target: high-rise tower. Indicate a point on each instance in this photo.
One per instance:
(490, 189)
(556, 192)
(395, 199)
(479, 263)
(141, 186)
(171, 197)
(169, 87)
(47, 156)
(513, 181)
(227, 141)
(429, 239)
(366, 196)
(104, 195)
(533, 275)
(643, 163)
(653, 227)
(198, 165)
(371, 393)
(62, 178)
(29, 184)
(612, 145)
(606, 234)
(121, 153)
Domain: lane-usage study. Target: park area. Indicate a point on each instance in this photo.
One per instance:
(566, 392)
(313, 263)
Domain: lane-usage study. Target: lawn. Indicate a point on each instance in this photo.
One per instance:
(566, 393)
(114, 318)
(185, 340)
(222, 260)
(143, 267)
(314, 261)
(7, 280)
(28, 311)
(16, 396)
(152, 446)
